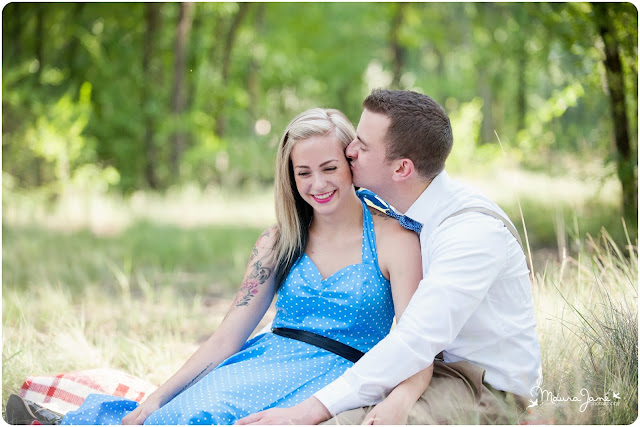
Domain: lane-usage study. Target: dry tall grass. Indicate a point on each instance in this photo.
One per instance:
(137, 284)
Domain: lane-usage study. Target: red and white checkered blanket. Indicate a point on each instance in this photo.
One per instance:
(66, 392)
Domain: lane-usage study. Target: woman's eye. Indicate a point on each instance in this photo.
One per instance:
(331, 169)
(303, 173)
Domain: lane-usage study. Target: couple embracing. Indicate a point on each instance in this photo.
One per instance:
(445, 261)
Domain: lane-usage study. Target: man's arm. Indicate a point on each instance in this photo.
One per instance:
(395, 408)
(465, 255)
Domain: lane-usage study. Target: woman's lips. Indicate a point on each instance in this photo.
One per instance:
(324, 197)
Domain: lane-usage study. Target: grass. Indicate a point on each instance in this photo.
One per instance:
(588, 327)
(137, 283)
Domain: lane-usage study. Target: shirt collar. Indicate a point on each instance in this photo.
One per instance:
(427, 209)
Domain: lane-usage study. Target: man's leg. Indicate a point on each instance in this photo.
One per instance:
(456, 395)
(450, 396)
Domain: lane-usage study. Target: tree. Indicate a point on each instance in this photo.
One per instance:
(398, 52)
(230, 39)
(627, 161)
(179, 94)
(152, 22)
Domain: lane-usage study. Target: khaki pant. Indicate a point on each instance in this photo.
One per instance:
(456, 395)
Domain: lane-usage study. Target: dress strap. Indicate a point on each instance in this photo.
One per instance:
(369, 247)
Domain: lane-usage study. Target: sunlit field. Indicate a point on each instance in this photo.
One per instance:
(136, 283)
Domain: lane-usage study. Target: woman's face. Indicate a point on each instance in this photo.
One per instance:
(322, 173)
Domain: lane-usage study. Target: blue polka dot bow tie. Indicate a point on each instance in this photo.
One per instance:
(375, 201)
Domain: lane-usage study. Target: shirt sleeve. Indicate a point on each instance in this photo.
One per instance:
(465, 257)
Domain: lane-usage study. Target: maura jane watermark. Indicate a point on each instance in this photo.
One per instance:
(584, 399)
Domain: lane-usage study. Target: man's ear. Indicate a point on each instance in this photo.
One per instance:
(403, 170)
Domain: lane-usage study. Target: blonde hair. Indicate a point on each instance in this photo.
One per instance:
(292, 212)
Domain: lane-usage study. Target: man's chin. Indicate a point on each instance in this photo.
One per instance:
(357, 182)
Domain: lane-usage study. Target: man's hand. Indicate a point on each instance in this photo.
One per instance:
(389, 412)
(311, 411)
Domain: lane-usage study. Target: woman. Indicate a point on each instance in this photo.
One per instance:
(340, 273)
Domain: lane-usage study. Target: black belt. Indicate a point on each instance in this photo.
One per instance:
(333, 346)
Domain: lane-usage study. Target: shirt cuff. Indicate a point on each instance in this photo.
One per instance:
(339, 396)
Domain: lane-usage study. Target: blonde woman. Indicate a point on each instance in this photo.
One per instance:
(340, 272)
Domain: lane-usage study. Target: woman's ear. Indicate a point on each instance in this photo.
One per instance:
(403, 170)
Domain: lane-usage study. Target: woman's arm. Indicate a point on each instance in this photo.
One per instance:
(251, 303)
(402, 258)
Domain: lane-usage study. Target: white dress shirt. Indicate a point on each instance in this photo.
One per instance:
(474, 303)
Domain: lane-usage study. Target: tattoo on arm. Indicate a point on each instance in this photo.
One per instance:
(254, 252)
(257, 276)
(249, 288)
(196, 378)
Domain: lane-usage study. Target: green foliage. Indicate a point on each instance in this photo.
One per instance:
(91, 83)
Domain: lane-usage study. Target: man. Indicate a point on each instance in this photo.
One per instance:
(474, 304)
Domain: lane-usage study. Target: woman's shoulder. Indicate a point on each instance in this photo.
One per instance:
(397, 246)
(389, 229)
(269, 237)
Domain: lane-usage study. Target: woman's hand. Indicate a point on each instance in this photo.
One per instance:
(142, 412)
(307, 412)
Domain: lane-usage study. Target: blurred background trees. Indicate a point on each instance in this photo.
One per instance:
(151, 95)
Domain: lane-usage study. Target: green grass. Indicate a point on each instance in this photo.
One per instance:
(191, 260)
(137, 291)
(137, 283)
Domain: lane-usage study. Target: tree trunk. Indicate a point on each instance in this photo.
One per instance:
(243, 8)
(152, 19)
(193, 61)
(398, 51)
(72, 46)
(521, 96)
(253, 80)
(521, 64)
(178, 94)
(39, 52)
(12, 33)
(487, 128)
(39, 48)
(439, 94)
(484, 68)
(626, 161)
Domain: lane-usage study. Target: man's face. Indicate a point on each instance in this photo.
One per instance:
(367, 153)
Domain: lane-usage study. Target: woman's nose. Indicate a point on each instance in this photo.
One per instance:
(319, 182)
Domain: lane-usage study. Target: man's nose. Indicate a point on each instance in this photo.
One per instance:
(351, 151)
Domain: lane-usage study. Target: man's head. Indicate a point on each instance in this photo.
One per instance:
(397, 125)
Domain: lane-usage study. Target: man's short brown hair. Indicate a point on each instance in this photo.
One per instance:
(419, 130)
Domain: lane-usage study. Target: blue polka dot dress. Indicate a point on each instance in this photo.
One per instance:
(353, 306)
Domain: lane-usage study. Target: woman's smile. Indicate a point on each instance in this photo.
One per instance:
(324, 197)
